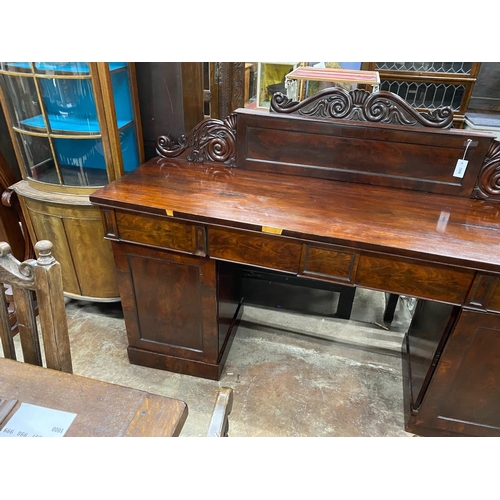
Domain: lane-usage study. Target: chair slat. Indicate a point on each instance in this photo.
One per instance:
(30, 343)
(9, 350)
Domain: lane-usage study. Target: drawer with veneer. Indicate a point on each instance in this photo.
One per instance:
(255, 249)
(414, 278)
(161, 233)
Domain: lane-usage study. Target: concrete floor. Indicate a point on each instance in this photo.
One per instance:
(295, 370)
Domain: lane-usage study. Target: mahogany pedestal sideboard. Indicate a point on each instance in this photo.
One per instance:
(360, 192)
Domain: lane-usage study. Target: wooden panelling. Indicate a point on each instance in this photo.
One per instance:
(182, 284)
(383, 155)
(410, 277)
(324, 263)
(95, 270)
(52, 228)
(257, 249)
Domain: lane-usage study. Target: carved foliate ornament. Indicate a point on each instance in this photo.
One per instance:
(488, 182)
(211, 139)
(361, 105)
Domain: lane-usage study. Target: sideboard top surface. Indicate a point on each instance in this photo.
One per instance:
(447, 229)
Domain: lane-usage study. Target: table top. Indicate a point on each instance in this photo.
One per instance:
(447, 229)
(102, 409)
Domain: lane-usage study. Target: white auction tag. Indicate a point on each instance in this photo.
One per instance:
(460, 168)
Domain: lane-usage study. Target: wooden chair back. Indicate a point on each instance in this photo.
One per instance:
(39, 279)
(219, 424)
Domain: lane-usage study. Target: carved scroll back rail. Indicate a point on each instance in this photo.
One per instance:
(361, 105)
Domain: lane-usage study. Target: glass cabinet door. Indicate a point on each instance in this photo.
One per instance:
(64, 122)
(75, 127)
(125, 119)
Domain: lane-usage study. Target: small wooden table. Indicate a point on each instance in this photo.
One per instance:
(331, 75)
(102, 409)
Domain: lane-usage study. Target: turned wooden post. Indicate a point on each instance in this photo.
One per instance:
(51, 308)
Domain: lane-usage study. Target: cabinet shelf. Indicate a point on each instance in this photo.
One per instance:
(70, 125)
(64, 67)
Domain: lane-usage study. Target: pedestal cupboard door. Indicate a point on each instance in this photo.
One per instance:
(464, 395)
(169, 302)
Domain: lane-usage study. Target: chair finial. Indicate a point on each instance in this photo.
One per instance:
(4, 249)
(44, 252)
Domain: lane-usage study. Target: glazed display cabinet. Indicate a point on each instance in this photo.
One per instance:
(75, 127)
(430, 85)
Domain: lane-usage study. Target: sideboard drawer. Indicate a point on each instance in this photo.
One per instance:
(160, 232)
(328, 263)
(414, 278)
(485, 293)
(257, 249)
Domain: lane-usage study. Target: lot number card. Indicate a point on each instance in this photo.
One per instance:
(37, 421)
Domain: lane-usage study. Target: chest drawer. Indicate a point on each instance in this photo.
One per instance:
(160, 232)
(256, 249)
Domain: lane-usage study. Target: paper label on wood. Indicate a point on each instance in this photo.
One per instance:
(37, 421)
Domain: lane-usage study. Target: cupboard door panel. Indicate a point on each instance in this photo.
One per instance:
(169, 302)
(464, 395)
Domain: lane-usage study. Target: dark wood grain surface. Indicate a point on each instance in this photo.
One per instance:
(443, 228)
(380, 154)
(102, 409)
